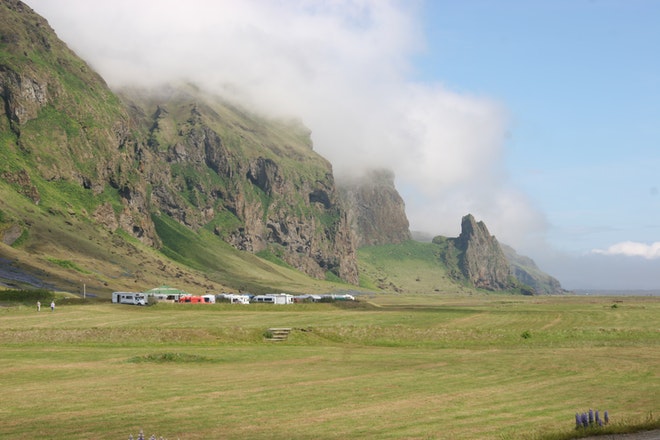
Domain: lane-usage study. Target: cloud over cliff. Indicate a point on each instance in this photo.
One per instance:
(344, 67)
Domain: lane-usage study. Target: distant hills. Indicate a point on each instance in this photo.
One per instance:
(129, 189)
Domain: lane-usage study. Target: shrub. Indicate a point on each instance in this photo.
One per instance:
(26, 296)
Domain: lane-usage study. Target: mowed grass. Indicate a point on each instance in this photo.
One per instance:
(433, 367)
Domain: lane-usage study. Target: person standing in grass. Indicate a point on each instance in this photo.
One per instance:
(38, 306)
(52, 306)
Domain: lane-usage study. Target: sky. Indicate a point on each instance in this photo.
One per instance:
(540, 118)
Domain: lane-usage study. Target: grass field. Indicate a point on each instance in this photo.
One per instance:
(400, 367)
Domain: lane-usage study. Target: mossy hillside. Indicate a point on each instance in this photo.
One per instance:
(416, 267)
(66, 250)
(79, 109)
(67, 136)
(208, 253)
(409, 267)
(182, 121)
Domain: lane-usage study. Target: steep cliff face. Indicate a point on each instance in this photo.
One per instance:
(476, 256)
(61, 125)
(69, 144)
(256, 182)
(527, 272)
(483, 261)
(375, 209)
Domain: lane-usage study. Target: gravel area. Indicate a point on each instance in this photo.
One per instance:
(644, 435)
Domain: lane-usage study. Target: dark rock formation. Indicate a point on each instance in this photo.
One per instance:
(212, 165)
(483, 262)
(476, 256)
(375, 209)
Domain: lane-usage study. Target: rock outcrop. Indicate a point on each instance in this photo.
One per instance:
(476, 256)
(261, 191)
(482, 261)
(375, 209)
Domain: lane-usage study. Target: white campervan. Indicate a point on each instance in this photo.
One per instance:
(271, 298)
(135, 298)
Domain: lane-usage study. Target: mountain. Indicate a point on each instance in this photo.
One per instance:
(148, 167)
(125, 190)
(476, 256)
(470, 263)
(255, 182)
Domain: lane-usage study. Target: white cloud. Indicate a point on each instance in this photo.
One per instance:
(632, 249)
(342, 66)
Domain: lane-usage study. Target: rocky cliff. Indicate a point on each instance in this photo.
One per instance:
(482, 260)
(71, 145)
(476, 256)
(257, 183)
(375, 209)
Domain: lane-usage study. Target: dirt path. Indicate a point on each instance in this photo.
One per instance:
(644, 435)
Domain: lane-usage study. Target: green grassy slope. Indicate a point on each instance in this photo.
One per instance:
(410, 267)
(67, 251)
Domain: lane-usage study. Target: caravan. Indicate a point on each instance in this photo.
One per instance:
(134, 298)
(271, 298)
(234, 298)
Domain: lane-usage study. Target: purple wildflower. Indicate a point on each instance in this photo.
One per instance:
(585, 420)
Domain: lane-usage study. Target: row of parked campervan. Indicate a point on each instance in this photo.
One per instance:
(141, 299)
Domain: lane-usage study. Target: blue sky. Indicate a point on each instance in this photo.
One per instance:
(541, 118)
(581, 82)
(582, 85)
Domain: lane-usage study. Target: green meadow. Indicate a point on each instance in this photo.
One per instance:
(388, 367)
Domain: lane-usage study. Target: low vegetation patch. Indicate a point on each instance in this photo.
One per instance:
(26, 296)
(162, 358)
(66, 264)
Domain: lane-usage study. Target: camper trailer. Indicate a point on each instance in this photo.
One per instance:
(282, 298)
(233, 298)
(165, 297)
(209, 299)
(134, 298)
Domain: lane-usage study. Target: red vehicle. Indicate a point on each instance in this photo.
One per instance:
(205, 299)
